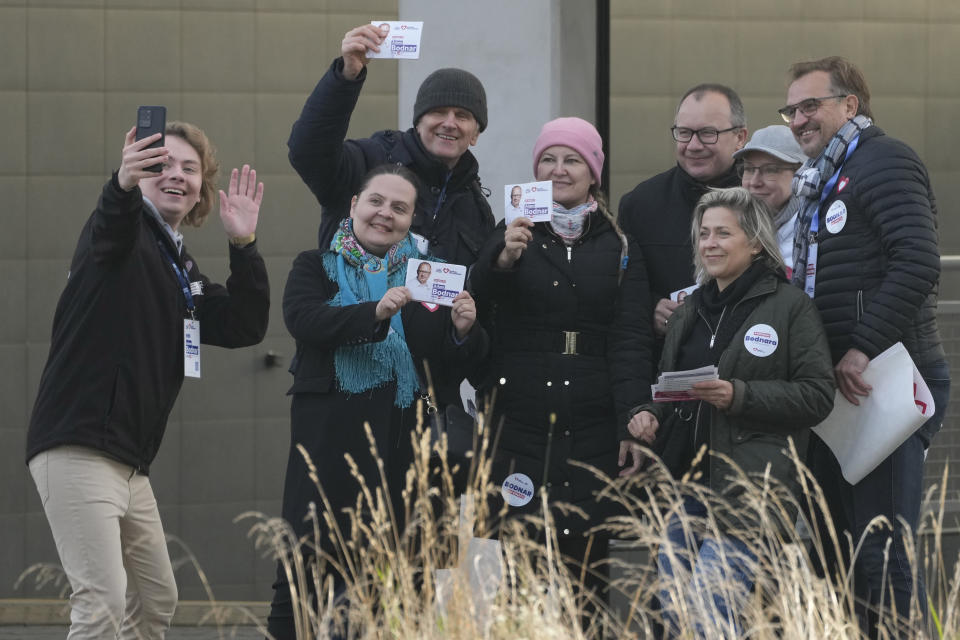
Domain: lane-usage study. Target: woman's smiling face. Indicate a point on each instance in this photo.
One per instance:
(724, 248)
(382, 213)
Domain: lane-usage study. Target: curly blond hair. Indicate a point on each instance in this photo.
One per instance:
(209, 168)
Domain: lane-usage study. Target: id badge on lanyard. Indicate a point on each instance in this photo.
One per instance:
(191, 348)
(191, 326)
(810, 284)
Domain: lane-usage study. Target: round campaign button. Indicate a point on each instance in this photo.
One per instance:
(836, 216)
(761, 340)
(517, 489)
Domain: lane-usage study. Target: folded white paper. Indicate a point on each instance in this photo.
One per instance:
(861, 437)
(676, 385)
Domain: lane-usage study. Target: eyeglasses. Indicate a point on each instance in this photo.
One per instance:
(807, 107)
(706, 135)
(767, 171)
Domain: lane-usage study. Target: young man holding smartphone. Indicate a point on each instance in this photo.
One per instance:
(125, 333)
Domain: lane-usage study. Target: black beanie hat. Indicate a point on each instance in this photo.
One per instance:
(452, 88)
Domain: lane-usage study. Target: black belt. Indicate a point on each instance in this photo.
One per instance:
(569, 343)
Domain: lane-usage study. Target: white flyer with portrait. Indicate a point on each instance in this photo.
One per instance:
(680, 295)
(533, 200)
(436, 282)
(402, 40)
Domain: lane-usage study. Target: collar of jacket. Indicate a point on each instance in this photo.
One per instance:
(764, 286)
(430, 170)
(872, 131)
(161, 234)
(694, 187)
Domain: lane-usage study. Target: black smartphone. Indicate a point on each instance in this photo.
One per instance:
(151, 120)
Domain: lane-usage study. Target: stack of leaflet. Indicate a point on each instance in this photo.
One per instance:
(676, 385)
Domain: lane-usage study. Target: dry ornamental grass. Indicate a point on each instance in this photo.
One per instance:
(391, 585)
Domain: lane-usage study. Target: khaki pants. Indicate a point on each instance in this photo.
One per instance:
(108, 533)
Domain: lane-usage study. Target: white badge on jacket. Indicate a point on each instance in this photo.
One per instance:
(191, 348)
(761, 340)
(517, 489)
(836, 216)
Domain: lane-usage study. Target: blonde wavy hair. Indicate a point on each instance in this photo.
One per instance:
(752, 215)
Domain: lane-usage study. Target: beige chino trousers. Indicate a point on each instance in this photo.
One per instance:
(108, 533)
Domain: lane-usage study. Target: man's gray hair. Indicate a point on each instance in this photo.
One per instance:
(738, 115)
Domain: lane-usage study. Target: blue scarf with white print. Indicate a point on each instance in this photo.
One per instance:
(808, 184)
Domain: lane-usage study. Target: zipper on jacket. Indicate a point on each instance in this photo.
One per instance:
(546, 462)
(111, 401)
(696, 424)
(443, 195)
(859, 304)
(569, 253)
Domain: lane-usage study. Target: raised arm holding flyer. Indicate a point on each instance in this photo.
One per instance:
(401, 40)
(452, 216)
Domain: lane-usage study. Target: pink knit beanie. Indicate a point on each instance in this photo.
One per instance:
(576, 133)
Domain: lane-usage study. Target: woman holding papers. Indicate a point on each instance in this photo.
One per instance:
(360, 352)
(775, 382)
(570, 341)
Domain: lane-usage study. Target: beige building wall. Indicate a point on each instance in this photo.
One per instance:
(72, 75)
(908, 50)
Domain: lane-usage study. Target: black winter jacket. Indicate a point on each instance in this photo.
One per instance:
(545, 294)
(878, 269)
(657, 214)
(329, 422)
(452, 212)
(116, 355)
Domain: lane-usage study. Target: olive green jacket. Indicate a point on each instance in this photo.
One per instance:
(783, 384)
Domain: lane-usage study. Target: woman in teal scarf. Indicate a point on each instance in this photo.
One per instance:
(361, 344)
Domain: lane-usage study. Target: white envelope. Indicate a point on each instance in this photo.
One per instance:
(861, 437)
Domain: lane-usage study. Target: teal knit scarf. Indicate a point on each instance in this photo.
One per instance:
(364, 277)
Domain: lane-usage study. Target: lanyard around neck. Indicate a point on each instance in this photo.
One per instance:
(827, 188)
(182, 276)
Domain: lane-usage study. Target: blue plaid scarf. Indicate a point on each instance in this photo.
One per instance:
(808, 184)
